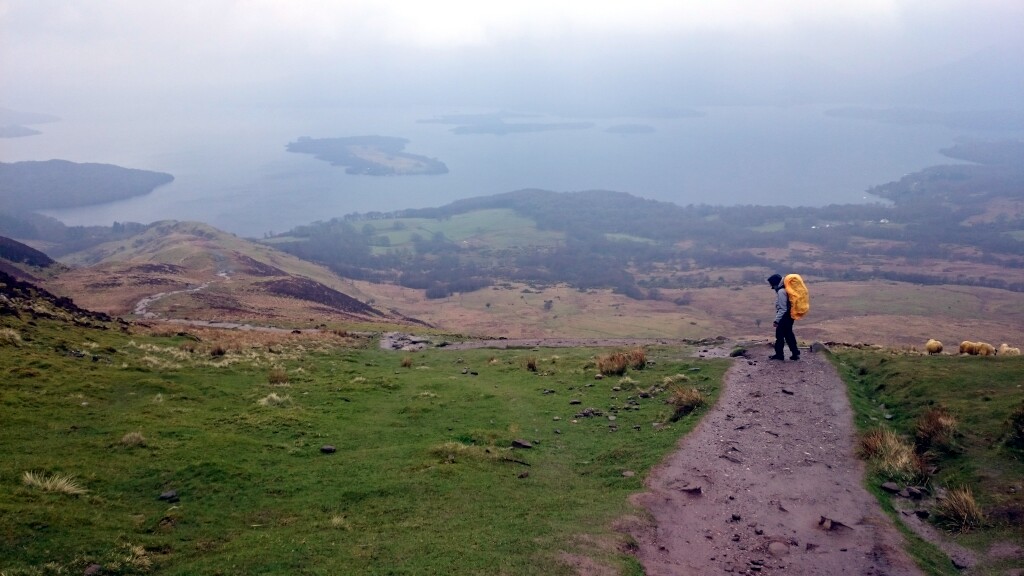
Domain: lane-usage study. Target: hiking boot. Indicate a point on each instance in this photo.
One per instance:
(794, 357)
(776, 357)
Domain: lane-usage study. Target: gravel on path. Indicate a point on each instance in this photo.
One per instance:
(769, 483)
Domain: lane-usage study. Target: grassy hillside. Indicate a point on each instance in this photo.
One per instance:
(959, 422)
(423, 481)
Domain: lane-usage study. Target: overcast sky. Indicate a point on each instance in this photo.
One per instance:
(588, 56)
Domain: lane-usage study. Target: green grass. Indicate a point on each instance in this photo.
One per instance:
(257, 496)
(895, 390)
(495, 229)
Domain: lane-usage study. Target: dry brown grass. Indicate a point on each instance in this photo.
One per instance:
(407, 362)
(273, 399)
(637, 358)
(613, 364)
(9, 337)
(685, 400)
(958, 511)
(877, 312)
(891, 456)
(673, 380)
(936, 428)
(531, 364)
(278, 376)
(133, 440)
(58, 483)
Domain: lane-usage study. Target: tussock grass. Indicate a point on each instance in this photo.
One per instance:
(339, 522)
(936, 428)
(407, 362)
(531, 364)
(58, 483)
(9, 337)
(958, 511)
(637, 358)
(684, 401)
(669, 381)
(133, 440)
(892, 456)
(614, 364)
(278, 376)
(273, 399)
(137, 558)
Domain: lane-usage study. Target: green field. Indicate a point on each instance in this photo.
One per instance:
(424, 480)
(495, 228)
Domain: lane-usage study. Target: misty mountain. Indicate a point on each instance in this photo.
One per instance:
(988, 79)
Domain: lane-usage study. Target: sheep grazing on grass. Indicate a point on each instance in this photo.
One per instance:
(977, 348)
(933, 346)
(1006, 350)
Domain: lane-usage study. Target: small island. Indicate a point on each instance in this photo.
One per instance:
(369, 155)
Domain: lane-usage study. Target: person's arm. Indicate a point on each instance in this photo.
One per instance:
(781, 304)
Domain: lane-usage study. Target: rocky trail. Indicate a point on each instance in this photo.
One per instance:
(769, 483)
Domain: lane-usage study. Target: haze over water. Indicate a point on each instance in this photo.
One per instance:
(212, 91)
(231, 169)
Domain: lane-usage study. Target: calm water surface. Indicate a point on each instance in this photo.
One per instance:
(231, 168)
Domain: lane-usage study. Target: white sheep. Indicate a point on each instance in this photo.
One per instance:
(1006, 350)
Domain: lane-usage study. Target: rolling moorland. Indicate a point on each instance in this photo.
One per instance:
(108, 414)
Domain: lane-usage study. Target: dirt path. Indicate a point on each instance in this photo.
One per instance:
(769, 483)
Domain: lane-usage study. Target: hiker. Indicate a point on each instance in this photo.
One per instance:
(783, 322)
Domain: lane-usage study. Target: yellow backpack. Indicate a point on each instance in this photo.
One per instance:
(799, 298)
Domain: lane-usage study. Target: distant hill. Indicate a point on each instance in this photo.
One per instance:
(61, 184)
(192, 270)
(17, 252)
(27, 263)
(27, 300)
(953, 224)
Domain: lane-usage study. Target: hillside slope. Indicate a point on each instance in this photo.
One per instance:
(194, 271)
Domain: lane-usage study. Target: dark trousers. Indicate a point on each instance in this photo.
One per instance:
(784, 336)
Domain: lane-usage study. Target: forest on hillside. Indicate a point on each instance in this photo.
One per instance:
(637, 246)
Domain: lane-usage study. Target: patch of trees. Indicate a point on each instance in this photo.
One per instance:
(62, 239)
(919, 223)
